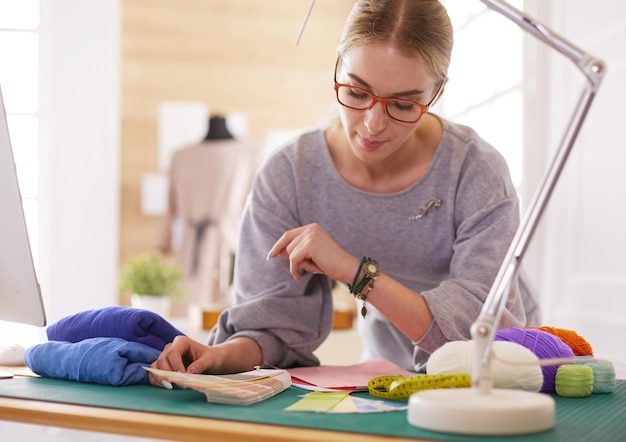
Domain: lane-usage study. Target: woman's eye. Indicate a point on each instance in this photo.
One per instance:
(402, 105)
(360, 95)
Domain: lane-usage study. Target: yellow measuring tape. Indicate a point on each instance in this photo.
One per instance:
(401, 387)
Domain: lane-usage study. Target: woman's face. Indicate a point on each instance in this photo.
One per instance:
(380, 69)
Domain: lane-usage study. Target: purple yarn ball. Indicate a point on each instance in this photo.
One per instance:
(544, 345)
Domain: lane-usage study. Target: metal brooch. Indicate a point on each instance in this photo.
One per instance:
(431, 204)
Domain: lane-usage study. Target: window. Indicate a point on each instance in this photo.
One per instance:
(485, 86)
(19, 79)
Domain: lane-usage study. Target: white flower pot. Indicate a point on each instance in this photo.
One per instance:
(158, 304)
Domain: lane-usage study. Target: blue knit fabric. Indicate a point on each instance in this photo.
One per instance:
(107, 361)
(131, 324)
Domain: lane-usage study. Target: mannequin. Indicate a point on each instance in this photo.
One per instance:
(217, 129)
(207, 191)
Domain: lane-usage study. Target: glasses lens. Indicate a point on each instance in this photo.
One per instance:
(354, 97)
(404, 110)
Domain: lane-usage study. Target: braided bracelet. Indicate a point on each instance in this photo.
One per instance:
(371, 270)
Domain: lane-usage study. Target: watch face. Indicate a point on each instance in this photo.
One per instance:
(371, 268)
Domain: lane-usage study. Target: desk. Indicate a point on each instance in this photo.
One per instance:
(164, 426)
(147, 411)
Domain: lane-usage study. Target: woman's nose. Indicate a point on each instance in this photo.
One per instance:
(375, 119)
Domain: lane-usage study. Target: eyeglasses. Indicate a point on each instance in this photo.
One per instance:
(405, 111)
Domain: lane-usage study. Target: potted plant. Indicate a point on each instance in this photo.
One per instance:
(152, 281)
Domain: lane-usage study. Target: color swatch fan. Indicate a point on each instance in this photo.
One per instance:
(233, 389)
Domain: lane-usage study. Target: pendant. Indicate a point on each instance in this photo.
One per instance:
(363, 310)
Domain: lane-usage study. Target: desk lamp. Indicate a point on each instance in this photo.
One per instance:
(481, 409)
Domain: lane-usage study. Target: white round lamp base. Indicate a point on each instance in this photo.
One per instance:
(465, 411)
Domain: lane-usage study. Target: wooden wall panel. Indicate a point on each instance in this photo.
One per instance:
(234, 55)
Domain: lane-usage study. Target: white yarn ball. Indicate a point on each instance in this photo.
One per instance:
(514, 366)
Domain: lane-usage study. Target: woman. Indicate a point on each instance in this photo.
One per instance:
(429, 201)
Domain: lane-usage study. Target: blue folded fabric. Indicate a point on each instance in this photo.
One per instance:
(131, 324)
(107, 361)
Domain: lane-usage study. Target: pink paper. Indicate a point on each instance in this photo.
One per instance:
(349, 377)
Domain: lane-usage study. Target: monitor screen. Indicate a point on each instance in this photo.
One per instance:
(20, 295)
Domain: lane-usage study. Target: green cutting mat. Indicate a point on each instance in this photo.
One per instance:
(599, 417)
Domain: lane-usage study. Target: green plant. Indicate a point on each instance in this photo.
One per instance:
(151, 274)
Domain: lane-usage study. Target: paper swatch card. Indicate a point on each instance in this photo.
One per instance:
(233, 389)
(344, 378)
(342, 402)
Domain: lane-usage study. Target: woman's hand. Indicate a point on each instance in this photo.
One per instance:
(311, 249)
(185, 355)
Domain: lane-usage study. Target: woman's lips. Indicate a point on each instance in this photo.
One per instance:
(370, 144)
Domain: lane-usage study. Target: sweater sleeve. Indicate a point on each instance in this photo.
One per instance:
(288, 319)
(486, 218)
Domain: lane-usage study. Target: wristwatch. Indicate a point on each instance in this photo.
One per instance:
(371, 268)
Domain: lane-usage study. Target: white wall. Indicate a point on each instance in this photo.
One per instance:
(79, 188)
(577, 255)
(79, 139)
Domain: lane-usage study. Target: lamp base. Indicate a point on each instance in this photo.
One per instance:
(465, 411)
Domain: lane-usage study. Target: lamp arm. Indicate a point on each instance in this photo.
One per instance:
(484, 328)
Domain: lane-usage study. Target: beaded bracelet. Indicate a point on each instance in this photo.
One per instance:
(371, 270)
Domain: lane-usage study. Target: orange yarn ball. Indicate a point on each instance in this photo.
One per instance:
(577, 343)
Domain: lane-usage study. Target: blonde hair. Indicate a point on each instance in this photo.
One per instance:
(419, 28)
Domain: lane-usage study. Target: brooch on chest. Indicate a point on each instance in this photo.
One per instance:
(431, 204)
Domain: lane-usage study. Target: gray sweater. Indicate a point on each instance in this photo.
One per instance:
(450, 256)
